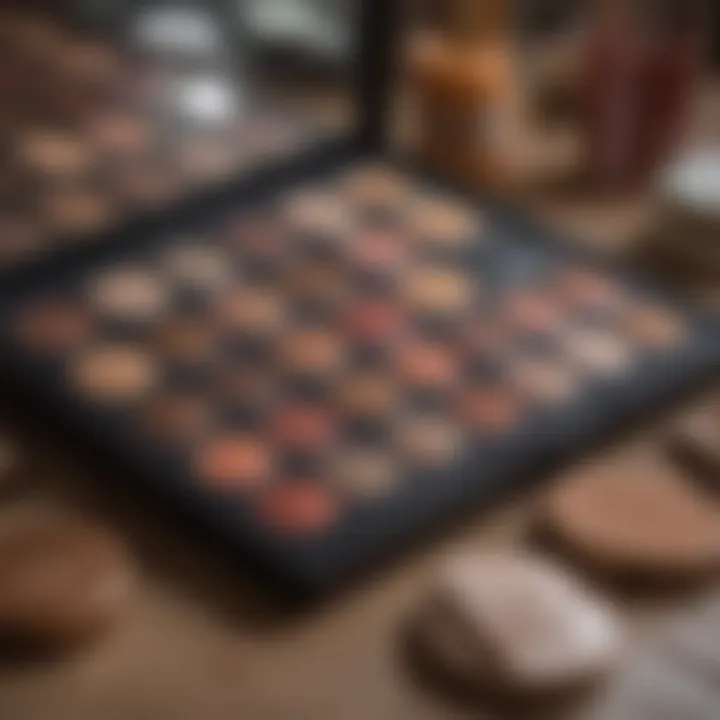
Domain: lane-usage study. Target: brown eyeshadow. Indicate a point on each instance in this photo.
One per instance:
(55, 154)
(254, 310)
(371, 394)
(377, 186)
(147, 182)
(121, 133)
(77, 210)
(299, 508)
(21, 239)
(312, 351)
(236, 462)
(113, 374)
(316, 281)
(255, 387)
(303, 427)
(653, 327)
(176, 418)
(186, 340)
(490, 408)
(53, 326)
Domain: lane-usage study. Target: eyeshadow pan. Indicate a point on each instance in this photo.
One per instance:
(533, 313)
(234, 463)
(186, 340)
(299, 508)
(77, 210)
(303, 427)
(254, 310)
(206, 160)
(427, 365)
(121, 133)
(176, 417)
(204, 268)
(132, 293)
(375, 321)
(369, 394)
(545, 381)
(603, 353)
(364, 473)
(377, 186)
(21, 239)
(113, 374)
(654, 327)
(146, 181)
(55, 153)
(312, 351)
(490, 408)
(317, 281)
(52, 326)
(428, 441)
(318, 213)
(438, 291)
(586, 287)
(379, 251)
(444, 223)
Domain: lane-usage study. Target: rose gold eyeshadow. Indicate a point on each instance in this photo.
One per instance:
(233, 463)
(374, 320)
(427, 365)
(299, 508)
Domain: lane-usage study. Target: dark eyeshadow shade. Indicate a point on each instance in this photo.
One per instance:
(233, 463)
(369, 394)
(186, 340)
(21, 239)
(377, 186)
(299, 508)
(176, 417)
(53, 326)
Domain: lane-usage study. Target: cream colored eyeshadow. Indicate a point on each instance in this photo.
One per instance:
(545, 381)
(198, 266)
(132, 294)
(603, 353)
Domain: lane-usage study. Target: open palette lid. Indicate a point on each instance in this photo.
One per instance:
(120, 113)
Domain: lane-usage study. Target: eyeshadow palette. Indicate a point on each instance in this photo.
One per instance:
(94, 135)
(324, 371)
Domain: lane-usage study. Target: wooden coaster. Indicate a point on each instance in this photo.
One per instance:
(636, 523)
(63, 581)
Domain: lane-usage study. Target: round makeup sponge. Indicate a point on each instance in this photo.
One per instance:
(636, 524)
(519, 627)
(63, 581)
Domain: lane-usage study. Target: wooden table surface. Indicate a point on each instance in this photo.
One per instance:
(199, 642)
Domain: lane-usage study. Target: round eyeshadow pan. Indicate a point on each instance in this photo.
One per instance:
(196, 266)
(299, 508)
(434, 291)
(233, 463)
(52, 326)
(374, 321)
(132, 293)
(175, 418)
(257, 311)
(312, 351)
(369, 395)
(545, 382)
(303, 428)
(318, 213)
(121, 133)
(77, 210)
(598, 353)
(428, 441)
(426, 365)
(186, 340)
(377, 187)
(363, 473)
(113, 374)
(653, 328)
(490, 408)
(444, 223)
(55, 153)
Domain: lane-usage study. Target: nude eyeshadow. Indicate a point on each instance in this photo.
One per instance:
(364, 473)
(490, 408)
(113, 374)
(428, 441)
(54, 153)
(233, 463)
(442, 222)
(435, 291)
(131, 293)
